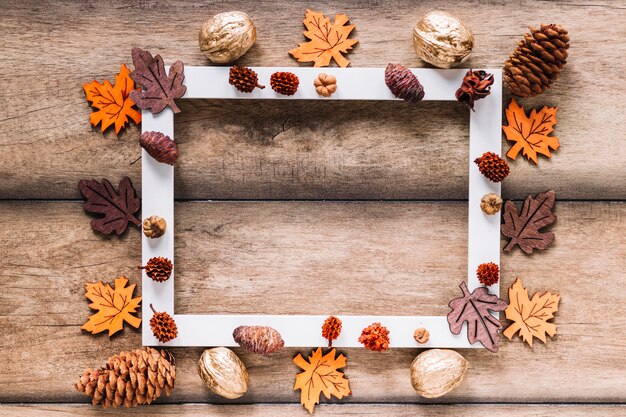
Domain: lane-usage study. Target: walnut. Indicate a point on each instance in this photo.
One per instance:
(491, 203)
(225, 37)
(154, 227)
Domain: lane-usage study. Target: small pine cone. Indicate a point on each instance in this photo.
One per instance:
(159, 269)
(403, 83)
(492, 166)
(154, 227)
(331, 329)
(258, 339)
(491, 203)
(244, 79)
(160, 147)
(537, 61)
(285, 83)
(375, 337)
(488, 274)
(476, 85)
(163, 326)
(130, 378)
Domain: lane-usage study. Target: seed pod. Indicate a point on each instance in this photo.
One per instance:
(258, 339)
(160, 147)
(436, 372)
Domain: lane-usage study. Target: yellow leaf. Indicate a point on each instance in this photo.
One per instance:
(320, 376)
(530, 133)
(327, 40)
(530, 316)
(114, 306)
(113, 102)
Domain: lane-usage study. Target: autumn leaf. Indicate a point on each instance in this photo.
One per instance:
(530, 316)
(113, 102)
(524, 228)
(320, 375)
(114, 306)
(530, 133)
(474, 308)
(326, 40)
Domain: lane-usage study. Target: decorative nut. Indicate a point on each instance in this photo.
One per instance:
(223, 372)
(491, 203)
(225, 37)
(436, 372)
(154, 227)
(421, 335)
(442, 40)
(325, 85)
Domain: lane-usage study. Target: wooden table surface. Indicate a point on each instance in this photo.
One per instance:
(362, 201)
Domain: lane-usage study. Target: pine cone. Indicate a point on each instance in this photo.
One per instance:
(476, 85)
(160, 147)
(159, 269)
(492, 166)
(163, 326)
(154, 227)
(130, 378)
(537, 61)
(403, 83)
(258, 339)
(284, 83)
(375, 337)
(488, 274)
(244, 79)
(331, 329)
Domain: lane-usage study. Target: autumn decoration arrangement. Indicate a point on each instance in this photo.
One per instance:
(440, 39)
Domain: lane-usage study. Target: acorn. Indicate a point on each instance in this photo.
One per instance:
(403, 83)
(160, 147)
(492, 166)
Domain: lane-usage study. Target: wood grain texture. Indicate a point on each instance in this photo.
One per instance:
(197, 410)
(226, 253)
(299, 150)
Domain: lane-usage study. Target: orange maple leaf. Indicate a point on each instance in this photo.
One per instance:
(113, 102)
(530, 316)
(326, 40)
(530, 133)
(320, 376)
(114, 306)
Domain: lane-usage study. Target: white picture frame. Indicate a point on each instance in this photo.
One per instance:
(300, 330)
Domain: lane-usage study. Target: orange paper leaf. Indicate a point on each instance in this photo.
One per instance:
(320, 375)
(326, 40)
(113, 102)
(114, 306)
(530, 316)
(530, 133)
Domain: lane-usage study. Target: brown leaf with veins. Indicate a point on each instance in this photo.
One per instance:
(524, 228)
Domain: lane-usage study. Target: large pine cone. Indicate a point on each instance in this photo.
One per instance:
(159, 269)
(492, 166)
(537, 61)
(258, 339)
(285, 83)
(244, 79)
(163, 326)
(403, 83)
(130, 378)
(476, 85)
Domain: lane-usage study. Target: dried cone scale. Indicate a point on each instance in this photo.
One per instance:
(537, 61)
(163, 326)
(244, 79)
(285, 83)
(158, 269)
(130, 378)
(492, 166)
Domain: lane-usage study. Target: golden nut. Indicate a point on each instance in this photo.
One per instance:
(421, 335)
(223, 372)
(154, 227)
(325, 85)
(442, 40)
(436, 372)
(491, 203)
(225, 37)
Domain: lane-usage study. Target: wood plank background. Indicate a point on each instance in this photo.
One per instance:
(365, 256)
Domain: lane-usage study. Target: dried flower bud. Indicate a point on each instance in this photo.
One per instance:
(421, 335)
(154, 227)
(491, 203)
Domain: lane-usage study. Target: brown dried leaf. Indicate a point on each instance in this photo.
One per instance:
(524, 228)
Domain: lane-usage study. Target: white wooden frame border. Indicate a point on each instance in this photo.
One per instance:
(300, 330)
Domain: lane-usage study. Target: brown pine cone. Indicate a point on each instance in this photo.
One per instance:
(258, 339)
(163, 326)
(537, 61)
(244, 79)
(285, 83)
(130, 378)
(375, 337)
(159, 269)
(492, 166)
(476, 85)
(488, 274)
(331, 329)
(159, 146)
(403, 83)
